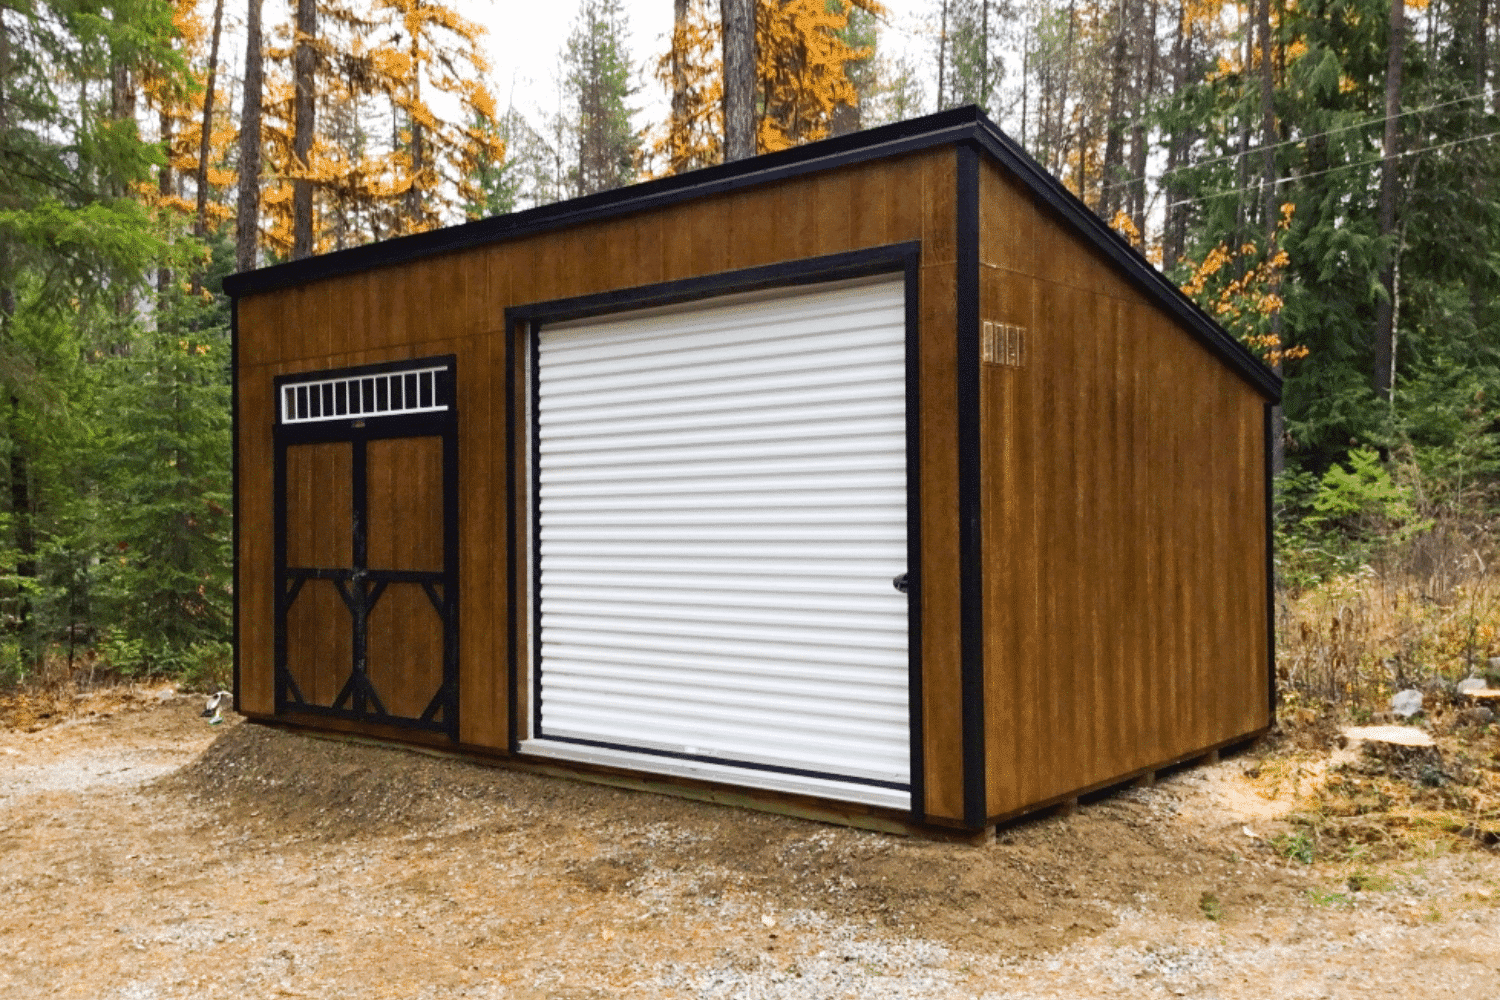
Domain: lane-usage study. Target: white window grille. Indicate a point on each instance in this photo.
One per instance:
(387, 394)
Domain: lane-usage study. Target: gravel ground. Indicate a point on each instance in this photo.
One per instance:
(146, 855)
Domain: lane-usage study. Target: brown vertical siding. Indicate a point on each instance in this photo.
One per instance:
(405, 503)
(455, 303)
(481, 565)
(405, 650)
(255, 555)
(1124, 531)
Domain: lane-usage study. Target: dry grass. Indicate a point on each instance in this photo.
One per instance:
(1422, 613)
(1349, 644)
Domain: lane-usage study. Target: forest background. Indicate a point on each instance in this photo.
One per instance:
(1321, 175)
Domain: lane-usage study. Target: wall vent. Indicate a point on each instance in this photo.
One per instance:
(1003, 344)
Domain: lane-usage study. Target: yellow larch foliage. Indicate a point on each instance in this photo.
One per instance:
(384, 162)
(1123, 224)
(694, 139)
(801, 81)
(1246, 304)
(176, 114)
(800, 62)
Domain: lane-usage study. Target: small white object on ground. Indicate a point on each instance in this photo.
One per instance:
(1471, 684)
(1407, 703)
(213, 711)
(1406, 736)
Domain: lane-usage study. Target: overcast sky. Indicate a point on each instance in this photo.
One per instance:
(526, 36)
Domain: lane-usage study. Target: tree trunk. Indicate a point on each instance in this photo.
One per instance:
(984, 54)
(247, 214)
(1241, 156)
(739, 78)
(1114, 136)
(21, 504)
(418, 148)
(20, 498)
(1482, 48)
(1025, 83)
(1270, 209)
(1139, 140)
(677, 137)
(1385, 326)
(942, 53)
(1061, 152)
(121, 106)
(1267, 121)
(200, 216)
(164, 190)
(1175, 222)
(304, 64)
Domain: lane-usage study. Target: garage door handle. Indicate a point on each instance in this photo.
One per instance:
(901, 583)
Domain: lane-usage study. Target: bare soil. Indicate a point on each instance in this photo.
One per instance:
(146, 854)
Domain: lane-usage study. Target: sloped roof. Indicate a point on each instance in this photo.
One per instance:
(960, 125)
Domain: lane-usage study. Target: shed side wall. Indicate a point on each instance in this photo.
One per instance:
(1122, 476)
(456, 303)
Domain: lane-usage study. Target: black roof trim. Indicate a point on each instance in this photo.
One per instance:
(1142, 273)
(966, 124)
(889, 140)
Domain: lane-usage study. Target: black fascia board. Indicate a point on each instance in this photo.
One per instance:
(965, 124)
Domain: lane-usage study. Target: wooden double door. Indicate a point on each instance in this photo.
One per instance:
(366, 505)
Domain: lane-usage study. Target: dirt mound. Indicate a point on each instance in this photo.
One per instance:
(276, 864)
(1045, 884)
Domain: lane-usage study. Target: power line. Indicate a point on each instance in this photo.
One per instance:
(1330, 170)
(1318, 135)
(1293, 142)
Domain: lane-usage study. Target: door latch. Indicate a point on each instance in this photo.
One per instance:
(901, 583)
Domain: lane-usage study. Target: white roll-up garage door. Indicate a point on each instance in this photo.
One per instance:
(722, 514)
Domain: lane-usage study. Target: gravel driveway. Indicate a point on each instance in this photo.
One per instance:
(148, 855)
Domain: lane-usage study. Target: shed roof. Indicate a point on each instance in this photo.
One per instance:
(960, 125)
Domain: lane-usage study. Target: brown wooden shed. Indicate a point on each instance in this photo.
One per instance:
(876, 478)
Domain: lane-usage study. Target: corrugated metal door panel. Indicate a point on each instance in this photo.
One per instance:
(722, 510)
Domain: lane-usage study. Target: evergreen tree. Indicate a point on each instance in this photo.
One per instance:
(72, 243)
(597, 85)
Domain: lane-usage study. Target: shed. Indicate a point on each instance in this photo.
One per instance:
(876, 478)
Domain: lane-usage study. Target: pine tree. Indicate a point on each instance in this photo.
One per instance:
(597, 84)
(71, 239)
(691, 68)
(971, 69)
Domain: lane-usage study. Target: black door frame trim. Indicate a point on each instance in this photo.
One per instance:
(970, 527)
(897, 258)
(359, 586)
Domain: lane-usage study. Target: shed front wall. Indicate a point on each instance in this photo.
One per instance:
(1122, 477)
(456, 304)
